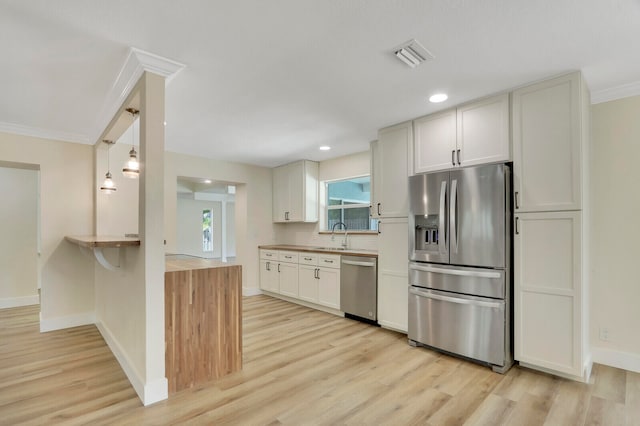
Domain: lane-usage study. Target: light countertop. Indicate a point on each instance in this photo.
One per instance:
(329, 250)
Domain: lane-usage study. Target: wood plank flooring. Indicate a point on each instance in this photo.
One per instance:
(301, 367)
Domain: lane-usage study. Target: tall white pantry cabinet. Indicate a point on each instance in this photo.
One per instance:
(550, 156)
(390, 205)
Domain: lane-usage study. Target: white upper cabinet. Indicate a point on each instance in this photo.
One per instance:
(474, 133)
(483, 131)
(295, 192)
(389, 167)
(435, 142)
(547, 134)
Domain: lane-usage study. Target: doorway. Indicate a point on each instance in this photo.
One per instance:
(20, 242)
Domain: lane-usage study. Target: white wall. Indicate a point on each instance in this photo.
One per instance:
(189, 227)
(66, 202)
(615, 233)
(252, 206)
(116, 214)
(19, 241)
(231, 229)
(344, 167)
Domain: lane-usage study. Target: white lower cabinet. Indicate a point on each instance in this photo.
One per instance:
(548, 303)
(393, 274)
(329, 286)
(308, 283)
(310, 277)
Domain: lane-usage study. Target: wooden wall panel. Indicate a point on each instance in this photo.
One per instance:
(203, 325)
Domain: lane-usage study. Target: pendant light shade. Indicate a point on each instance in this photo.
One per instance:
(108, 186)
(131, 168)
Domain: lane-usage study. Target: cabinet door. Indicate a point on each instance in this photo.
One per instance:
(483, 131)
(288, 279)
(329, 287)
(376, 179)
(295, 177)
(391, 173)
(393, 274)
(280, 193)
(308, 283)
(547, 145)
(269, 276)
(434, 145)
(547, 291)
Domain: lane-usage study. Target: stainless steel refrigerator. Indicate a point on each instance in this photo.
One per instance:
(460, 263)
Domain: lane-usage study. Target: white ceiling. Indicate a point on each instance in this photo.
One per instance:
(268, 82)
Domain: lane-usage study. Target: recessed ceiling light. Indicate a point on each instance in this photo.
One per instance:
(438, 97)
(165, 123)
(206, 181)
(325, 148)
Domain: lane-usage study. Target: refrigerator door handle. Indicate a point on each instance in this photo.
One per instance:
(460, 272)
(442, 243)
(453, 214)
(429, 295)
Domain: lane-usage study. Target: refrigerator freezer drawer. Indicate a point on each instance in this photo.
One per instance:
(459, 279)
(470, 326)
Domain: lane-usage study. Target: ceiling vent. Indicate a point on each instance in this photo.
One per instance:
(413, 53)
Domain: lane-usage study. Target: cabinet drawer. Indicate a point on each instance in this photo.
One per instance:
(308, 259)
(329, 260)
(288, 256)
(268, 254)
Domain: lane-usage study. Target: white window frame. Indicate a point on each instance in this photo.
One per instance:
(342, 206)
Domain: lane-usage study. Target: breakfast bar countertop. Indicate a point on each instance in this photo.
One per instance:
(181, 262)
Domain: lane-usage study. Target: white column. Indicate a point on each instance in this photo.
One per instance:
(223, 224)
(151, 228)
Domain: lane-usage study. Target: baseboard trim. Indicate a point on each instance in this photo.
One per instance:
(149, 393)
(251, 291)
(618, 359)
(16, 302)
(69, 321)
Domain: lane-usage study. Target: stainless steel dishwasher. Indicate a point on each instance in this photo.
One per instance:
(359, 288)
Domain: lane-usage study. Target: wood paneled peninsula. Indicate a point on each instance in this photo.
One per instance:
(203, 320)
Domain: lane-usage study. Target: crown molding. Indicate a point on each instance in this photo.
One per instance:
(614, 93)
(20, 129)
(138, 61)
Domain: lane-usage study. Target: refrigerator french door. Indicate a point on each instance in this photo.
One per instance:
(459, 270)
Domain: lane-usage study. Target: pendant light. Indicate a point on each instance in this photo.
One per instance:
(131, 168)
(108, 186)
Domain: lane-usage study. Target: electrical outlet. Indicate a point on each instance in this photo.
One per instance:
(604, 334)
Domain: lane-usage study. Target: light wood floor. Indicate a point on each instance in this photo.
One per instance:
(301, 366)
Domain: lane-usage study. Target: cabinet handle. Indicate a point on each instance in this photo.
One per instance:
(308, 258)
(286, 215)
(379, 227)
(517, 221)
(458, 153)
(266, 266)
(287, 257)
(317, 273)
(516, 196)
(327, 261)
(453, 157)
(278, 268)
(379, 209)
(370, 211)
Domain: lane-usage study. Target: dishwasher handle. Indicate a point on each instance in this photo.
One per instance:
(356, 263)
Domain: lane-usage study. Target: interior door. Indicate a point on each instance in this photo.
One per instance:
(478, 216)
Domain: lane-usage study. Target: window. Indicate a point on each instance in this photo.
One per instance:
(348, 202)
(207, 230)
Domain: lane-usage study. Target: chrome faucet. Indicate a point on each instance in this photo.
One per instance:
(333, 230)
